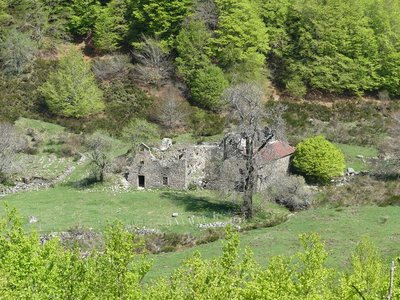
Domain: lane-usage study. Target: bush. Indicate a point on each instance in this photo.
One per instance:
(111, 66)
(124, 101)
(290, 192)
(206, 124)
(140, 131)
(318, 159)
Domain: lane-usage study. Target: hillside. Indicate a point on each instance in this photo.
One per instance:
(101, 99)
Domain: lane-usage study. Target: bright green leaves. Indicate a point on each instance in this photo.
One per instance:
(207, 86)
(111, 26)
(82, 16)
(159, 18)
(241, 41)
(29, 270)
(333, 48)
(318, 159)
(72, 91)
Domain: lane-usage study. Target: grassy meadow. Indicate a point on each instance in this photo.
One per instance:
(64, 207)
(341, 229)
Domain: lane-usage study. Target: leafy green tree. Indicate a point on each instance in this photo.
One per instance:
(367, 275)
(384, 19)
(72, 91)
(318, 159)
(207, 86)
(159, 18)
(332, 47)
(111, 27)
(82, 16)
(193, 48)
(241, 40)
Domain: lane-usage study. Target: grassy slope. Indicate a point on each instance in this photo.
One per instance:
(342, 229)
(351, 152)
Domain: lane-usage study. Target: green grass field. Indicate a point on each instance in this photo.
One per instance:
(352, 161)
(64, 207)
(341, 229)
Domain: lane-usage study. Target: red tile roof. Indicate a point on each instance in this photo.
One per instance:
(276, 150)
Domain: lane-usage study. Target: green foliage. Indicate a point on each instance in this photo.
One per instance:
(140, 131)
(205, 123)
(332, 47)
(159, 18)
(82, 16)
(111, 26)
(72, 91)
(367, 275)
(193, 47)
(31, 270)
(241, 40)
(207, 86)
(318, 159)
(124, 101)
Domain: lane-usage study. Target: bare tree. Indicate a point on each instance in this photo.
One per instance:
(153, 64)
(207, 11)
(390, 148)
(10, 144)
(243, 147)
(99, 147)
(172, 111)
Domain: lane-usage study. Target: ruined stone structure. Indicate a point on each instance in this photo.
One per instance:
(179, 168)
(175, 168)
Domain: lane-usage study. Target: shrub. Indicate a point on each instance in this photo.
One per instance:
(206, 124)
(140, 131)
(124, 101)
(110, 66)
(296, 87)
(290, 192)
(318, 159)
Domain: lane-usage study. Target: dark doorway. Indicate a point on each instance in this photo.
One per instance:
(141, 180)
(165, 181)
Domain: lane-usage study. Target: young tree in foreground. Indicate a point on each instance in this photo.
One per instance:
(245, 102)
(71, 91)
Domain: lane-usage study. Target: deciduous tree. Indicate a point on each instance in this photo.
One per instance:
(252, 137)
(72, 91)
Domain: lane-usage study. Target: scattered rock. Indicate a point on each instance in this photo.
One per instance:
(360, 156)
(218, 225)
(32, 220)
(166, 143)
(350, 171)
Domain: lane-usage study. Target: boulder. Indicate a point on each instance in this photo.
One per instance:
(166, 143)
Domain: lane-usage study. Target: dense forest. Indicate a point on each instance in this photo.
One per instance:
(113, 60)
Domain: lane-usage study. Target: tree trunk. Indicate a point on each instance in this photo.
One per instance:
(248, 189)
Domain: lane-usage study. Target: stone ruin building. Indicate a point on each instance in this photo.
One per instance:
(198, 165)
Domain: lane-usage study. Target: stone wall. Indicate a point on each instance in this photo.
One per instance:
(199, 165)
(200, 160)
(157, 172)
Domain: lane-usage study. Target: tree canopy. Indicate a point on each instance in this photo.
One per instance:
(71, 90)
